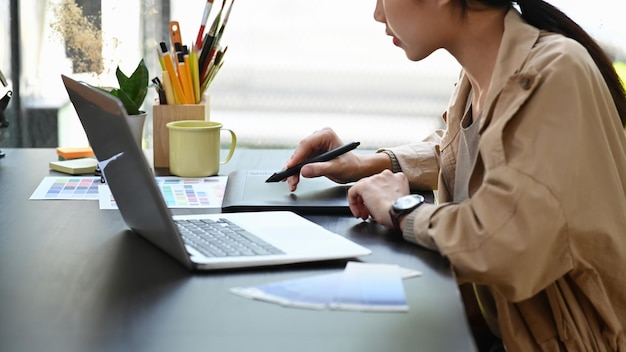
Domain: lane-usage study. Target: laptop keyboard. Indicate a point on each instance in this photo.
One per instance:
(222, 238)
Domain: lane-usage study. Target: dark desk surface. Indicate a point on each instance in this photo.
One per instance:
(73, 278)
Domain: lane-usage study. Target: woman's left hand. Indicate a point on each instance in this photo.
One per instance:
(374, 195)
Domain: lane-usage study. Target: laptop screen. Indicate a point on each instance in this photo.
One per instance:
(125, 167)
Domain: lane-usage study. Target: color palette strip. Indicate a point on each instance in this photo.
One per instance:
(181, 192)
(70, 188)
(178, 192)
(186, 196)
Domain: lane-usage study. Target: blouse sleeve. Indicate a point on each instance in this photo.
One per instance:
(419, 161)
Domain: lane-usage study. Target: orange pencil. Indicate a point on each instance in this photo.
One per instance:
(179, 95)
(185, 78)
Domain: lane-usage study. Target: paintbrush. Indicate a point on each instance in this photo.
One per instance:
(205, 19)
(207, 44)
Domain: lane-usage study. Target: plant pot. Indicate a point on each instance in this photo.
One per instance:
(136, 123)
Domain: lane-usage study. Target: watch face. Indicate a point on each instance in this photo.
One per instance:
(408, 202)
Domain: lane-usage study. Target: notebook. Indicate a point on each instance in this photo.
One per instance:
(246, 190)
(78, 166)
(280, 237)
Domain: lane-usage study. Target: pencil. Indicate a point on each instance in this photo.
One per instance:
(185, 78)
(195, 74)
(167, 87)
(179, 96)
(161, 63)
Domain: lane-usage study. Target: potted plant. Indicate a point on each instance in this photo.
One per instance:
(132, 92)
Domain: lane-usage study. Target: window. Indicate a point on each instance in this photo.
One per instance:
(5, 68)
(292, 67)
(5, 40)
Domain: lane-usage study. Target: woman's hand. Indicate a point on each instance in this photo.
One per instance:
(341, 169)
(374, 195)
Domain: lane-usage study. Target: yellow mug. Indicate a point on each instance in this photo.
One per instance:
(195, 147)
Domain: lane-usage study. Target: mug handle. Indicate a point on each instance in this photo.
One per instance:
(233, 144)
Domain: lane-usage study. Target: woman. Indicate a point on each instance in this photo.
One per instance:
(530, 171)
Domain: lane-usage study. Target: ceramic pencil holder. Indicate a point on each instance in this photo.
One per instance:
(162, 115)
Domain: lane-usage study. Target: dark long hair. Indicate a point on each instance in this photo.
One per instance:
(544, 16)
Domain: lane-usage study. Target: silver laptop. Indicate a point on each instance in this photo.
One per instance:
(253, 238)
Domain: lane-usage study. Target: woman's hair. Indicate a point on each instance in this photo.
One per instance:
(544, 16)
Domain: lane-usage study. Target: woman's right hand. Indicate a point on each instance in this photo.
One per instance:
(342, 169)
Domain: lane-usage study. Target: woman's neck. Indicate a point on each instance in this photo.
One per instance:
(476, 49)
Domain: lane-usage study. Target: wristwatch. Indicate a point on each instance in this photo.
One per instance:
(402, 206)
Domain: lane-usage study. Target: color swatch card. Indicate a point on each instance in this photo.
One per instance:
(67, 187)
(375, 287)
(179, 192)
(361, 286)
(314, 292)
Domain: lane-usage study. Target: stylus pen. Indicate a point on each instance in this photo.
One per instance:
(329, 155)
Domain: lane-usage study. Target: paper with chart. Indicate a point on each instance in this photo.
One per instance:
(67, 187)
(179, 192)
(206, 192)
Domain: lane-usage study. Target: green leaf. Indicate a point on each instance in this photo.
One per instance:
(132, 108)
(132, 90)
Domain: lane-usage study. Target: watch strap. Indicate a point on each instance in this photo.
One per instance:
(395, 218)
(395, 215)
